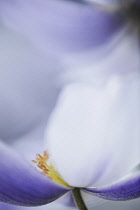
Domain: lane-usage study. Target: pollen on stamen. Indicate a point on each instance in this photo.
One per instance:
(34, 161)
(43, 162)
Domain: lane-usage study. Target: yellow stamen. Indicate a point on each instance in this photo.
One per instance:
(48, 169)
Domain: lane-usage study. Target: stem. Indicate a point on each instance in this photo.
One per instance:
(78, 199)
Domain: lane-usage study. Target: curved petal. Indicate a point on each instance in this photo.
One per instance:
(96, 129)
(126, 189)
(60, 25)
(20, 184)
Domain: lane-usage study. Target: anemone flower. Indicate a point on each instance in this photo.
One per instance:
(82, 149)
(26, 103)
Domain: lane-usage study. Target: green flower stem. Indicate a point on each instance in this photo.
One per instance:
(78, 199)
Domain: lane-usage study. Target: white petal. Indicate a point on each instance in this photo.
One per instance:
(93, 134)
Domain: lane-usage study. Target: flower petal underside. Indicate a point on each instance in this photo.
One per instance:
(126, 189)
(61, 25)
(21, 184)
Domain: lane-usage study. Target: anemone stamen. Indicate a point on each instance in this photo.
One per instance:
(48, 169)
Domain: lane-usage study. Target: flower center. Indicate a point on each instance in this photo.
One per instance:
(48, 169)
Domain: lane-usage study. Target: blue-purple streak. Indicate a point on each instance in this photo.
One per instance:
(123, 190)
(61, 25)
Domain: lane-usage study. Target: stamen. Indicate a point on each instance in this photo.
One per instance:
(34, 161)
(48, 169)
